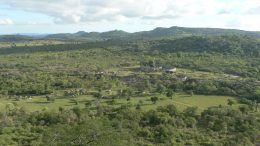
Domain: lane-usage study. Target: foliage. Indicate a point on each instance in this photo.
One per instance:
(103, 90)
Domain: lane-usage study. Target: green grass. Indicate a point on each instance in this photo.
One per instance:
(181, 101)
(40, 103)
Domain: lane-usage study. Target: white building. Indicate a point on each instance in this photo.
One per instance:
(173, 70)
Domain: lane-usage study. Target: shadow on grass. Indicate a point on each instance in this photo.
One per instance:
(40, 102)
(184, 96)
(146, 104)
(70, 105)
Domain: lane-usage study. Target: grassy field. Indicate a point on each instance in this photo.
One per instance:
(181, 101)
(30, 43)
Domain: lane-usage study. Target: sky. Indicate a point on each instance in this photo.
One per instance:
(69, 16)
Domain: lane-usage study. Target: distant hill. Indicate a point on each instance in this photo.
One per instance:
(14, 38)
(157, 33)
(241, 45)
(81, 35)
(185, 31)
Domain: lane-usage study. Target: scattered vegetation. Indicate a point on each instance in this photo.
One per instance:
(109, 91)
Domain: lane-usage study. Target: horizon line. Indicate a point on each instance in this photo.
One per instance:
(38, 34)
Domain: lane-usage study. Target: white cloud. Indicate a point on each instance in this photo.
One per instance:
(248, 22)
(255, 11)
(76, 11)
(6, 21)
(213, 13)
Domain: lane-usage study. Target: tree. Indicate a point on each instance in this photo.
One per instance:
(154, 99)
(191, 111)
(75, 101)
(138, 106)
(172, 110)
(10, 107)
(61, 109)
(88, 103)
(230, 102)
(141, 102)
(112, 102)
(254, 105)
(127, 92)
(50, 98)
(170, 94)
(92, 132)
(244, 109)
(160, 88)
(98, 95)
(76, 111)
(190, 92)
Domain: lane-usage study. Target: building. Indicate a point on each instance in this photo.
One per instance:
(173, 70)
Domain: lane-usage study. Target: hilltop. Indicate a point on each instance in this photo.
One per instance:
(157, 33)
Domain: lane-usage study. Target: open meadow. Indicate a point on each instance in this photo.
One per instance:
(181, 101)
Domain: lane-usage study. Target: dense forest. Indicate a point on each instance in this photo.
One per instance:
(166, 87)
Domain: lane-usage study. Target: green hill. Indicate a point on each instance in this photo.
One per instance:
(14, 38)
(157, 33)
(233, 44)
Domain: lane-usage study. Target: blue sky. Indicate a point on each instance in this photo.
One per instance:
(59, 16)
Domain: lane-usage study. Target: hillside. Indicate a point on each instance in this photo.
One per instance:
(233, 44)
(157, 33)
(185, 31)
(115, 88)
(228, 44)
(14, 38)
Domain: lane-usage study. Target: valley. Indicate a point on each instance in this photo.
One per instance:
(188, 89)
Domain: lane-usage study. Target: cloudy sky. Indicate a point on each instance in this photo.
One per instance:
(55, 16)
